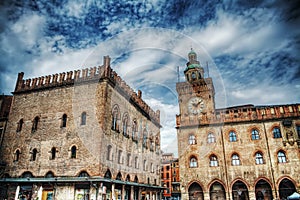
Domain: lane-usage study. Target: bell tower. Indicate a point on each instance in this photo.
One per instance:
(195, 95)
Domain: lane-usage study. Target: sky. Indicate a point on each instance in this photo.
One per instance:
(251, 49)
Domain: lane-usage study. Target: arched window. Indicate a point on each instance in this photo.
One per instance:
(134, 129)
(109, 153)
(64, 121)
(213, 161)
(83, 118)
(193, 162)
(193, 75)
(151, 168)
(281, 157)
(211, 138)
(254, 134)
(136, 163)
(17, 155)
(33, 155)
(276, 132)
(235, 160)
(125, 124)
(192, 139)
(35, 124)
(232, 136)
(145, 138)
(120, 157)
(20, 125)
(129, 159)
(73, 151)
(115, 116)
(53, 153)
(145, 165)
(259, 159)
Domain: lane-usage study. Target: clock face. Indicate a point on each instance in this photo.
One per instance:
(195, 105)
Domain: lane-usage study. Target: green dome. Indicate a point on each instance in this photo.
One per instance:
(192, 52)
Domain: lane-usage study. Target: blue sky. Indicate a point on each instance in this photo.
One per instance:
(251, 48)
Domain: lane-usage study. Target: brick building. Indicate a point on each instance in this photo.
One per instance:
(81, 135)
(243, 152)
(5, 102)
(170, 176)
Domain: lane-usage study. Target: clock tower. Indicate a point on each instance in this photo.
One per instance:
(197, 110)
(196, 94)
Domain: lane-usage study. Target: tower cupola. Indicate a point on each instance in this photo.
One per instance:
(193, 71)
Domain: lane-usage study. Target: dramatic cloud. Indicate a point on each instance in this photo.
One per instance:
(249, 48)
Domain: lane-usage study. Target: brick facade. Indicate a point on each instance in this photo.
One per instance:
(243, 152)
(87, 123)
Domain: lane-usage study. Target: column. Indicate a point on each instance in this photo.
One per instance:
(206, 195)
(123, 192)
(112, 197)
(131, 193)
(140, 194)
(251, 194)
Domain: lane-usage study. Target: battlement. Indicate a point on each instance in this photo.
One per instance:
(93, 74)
(238, 114)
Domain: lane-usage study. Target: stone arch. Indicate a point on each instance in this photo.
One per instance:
(239, 190)
(83, 173)
(108, 174)
(286, 187)
(263, 190)
(119, 176)
(49, 174)
(127, 178)
(217, 190)
(195, 191)
(27, 174)
(136, 179)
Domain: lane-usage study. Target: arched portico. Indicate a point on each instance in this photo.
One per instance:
(240, 191)
(217, 191)
(286, 188)
(263, 190)
(195, 192)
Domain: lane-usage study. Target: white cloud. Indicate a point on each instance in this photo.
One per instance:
(264, 95)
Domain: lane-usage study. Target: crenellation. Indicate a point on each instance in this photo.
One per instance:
(27, 83)
(47, 80)
(240, 114)
(86, 74)
(69, 76)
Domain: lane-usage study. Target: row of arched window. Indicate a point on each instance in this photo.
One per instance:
(132, 129)
(128, 160)
(36, 122)
(232, 137)
(235, 159)
(53, 152)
